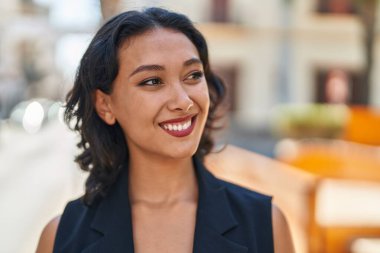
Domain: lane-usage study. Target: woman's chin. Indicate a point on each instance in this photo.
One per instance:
(182, 153)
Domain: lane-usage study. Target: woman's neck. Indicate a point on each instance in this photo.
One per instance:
(162, 181)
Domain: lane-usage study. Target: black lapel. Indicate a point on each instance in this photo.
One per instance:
(214, 216)
(113, 220)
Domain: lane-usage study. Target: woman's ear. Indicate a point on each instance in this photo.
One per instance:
(103, 108)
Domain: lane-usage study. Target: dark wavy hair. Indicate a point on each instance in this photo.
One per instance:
(103, 147)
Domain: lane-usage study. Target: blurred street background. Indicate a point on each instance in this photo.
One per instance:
(304, 89)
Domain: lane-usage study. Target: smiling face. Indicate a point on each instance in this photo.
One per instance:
(160, 95)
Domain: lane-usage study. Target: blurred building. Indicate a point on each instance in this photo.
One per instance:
(40, 45)
(269, 52)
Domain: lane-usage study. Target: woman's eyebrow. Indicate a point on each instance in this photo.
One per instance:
(192, 61)
(147, 68)
(155, 67)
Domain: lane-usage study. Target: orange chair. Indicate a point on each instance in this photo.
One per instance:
(363, 125)
(333, 158)
(353, 165)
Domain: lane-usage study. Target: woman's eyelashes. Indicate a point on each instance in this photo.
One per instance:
(193, 77)
(196, 75)
(155, 81)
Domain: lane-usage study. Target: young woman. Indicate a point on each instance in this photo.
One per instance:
(143, 102)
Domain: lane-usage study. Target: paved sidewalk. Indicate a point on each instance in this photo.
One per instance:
(37, 178)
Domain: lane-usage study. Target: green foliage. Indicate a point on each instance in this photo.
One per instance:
(310, 120)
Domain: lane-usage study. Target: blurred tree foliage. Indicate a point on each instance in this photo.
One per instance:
(310, 120)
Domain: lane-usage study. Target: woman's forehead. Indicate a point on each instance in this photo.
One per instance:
(157, 45)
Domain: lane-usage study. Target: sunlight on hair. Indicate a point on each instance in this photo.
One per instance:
(33, 117)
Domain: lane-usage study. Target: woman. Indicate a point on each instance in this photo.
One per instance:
(143, 102)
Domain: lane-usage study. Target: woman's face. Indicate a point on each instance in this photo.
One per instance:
(160, 95)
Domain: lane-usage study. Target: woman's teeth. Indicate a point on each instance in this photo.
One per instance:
(178, 127)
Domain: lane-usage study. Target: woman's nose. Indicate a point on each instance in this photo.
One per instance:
(179, 99)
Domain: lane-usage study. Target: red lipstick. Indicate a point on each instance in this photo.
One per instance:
(179, 127)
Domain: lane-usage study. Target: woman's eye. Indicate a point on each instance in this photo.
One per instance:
(195, 75)
(151, 82)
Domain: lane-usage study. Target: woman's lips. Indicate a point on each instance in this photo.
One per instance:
(179, 127)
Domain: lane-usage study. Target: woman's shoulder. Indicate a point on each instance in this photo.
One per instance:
(244, 195)
(73, 210)
(248, 206)
(75, 213)
(62, 226)
(234, 192)
(47, 238)
(258, 206)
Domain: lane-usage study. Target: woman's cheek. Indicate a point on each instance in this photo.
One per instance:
(202, 94)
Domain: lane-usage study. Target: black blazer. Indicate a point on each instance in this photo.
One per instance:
(230, 219)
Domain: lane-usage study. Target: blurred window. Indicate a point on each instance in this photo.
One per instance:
(339, 85)
(219, 9)
(336, 7)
